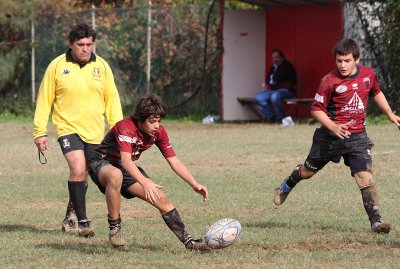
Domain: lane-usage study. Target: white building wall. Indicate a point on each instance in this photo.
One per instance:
(243, 61)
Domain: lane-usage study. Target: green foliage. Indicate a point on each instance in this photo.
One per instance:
(380, 37)
(177, 49)
(379, 119)
(15, 53)
(234, 4)
(9, 117)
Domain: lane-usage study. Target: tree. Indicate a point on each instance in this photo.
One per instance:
(177, 51)
(379, 33)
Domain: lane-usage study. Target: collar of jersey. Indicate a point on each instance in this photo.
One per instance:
(71, 59)
(356, 73)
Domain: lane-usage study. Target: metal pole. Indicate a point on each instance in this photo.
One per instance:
(33, 63)
(148, 46)
(94, 24)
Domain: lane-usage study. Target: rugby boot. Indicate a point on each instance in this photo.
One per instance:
(69, 224)
(381, 227)
(85, 229)
(281, 193)
(197, 245)
(115, 237)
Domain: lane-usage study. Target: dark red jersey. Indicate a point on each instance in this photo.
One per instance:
(125, 136)
(345, 99)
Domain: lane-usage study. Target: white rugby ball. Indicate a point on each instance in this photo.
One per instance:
(223, 233)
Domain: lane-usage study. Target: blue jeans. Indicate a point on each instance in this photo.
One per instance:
(270, 103)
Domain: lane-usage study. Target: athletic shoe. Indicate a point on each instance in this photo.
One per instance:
(281, 193)
(381, 227)
(115, 237)
(197, 245)
(287, 121)
(69, 225)
(84, 229)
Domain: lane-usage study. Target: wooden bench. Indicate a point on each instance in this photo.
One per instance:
(249, 101)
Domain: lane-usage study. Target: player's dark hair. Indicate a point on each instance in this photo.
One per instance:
(148, 106)
(81, 31)
(278, 51)
(347, 46)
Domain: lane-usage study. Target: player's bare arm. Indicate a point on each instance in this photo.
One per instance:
(181, 170)
(42, 143)
(149, 186)
(382, 103)
(340, 130)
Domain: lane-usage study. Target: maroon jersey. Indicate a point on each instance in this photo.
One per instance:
(125, 136)
(345, 99)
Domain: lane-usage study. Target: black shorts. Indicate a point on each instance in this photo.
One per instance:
(326, 147)
(127, 180)
(73, 142)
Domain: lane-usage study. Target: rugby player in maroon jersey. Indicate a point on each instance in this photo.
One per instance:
(115, 173)
(340, 105)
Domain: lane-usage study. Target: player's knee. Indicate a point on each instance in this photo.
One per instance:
(163, 198)
(164, 205)
(258, 100)
(77, 174)
(114, 179)
(364, 179)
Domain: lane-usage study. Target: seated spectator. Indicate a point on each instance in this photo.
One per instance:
(280, 84)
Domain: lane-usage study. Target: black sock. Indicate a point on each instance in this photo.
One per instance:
(114, 223)
(371, 203)
(294, 178)
(77, 192)
(175, 224)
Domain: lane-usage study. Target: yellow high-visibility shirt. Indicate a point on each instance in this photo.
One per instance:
(81, 98)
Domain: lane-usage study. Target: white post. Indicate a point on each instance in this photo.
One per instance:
(148, 46)
(33, 62)
(94, 24)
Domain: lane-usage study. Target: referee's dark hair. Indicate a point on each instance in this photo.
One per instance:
(81, 31)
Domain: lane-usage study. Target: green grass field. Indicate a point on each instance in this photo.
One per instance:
(321, 225)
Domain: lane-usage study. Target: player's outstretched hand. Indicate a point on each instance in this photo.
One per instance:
(151, 190)
(202, 190)
(396, 120)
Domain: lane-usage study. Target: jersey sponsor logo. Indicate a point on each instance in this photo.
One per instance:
(66, 72)
(66, 143)
(96, 72)
(341, 89)
(319, 98)
(128, 139)
(367, 82)
(355, 86)
(355, 105)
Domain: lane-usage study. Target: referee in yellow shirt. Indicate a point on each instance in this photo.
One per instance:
(79, 86)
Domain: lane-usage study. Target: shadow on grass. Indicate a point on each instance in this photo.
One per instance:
(74, 243)
(316, 231)
(7, 228)
(82, 247)
(266, 224)
(91, 247)
(315, 225)
(389, 243)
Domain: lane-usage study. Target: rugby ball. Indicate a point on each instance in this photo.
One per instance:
(222, 233)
